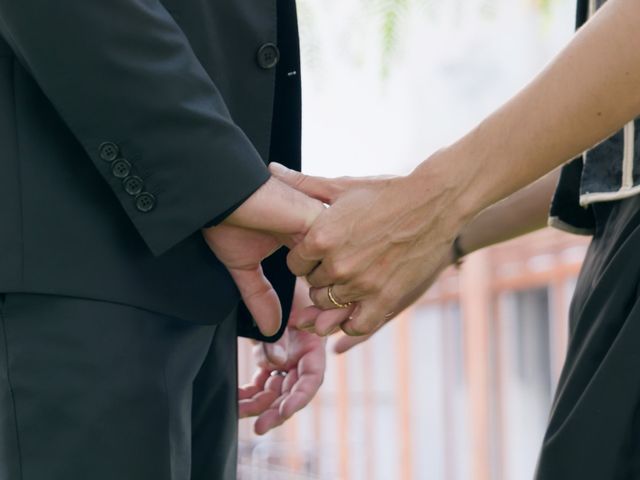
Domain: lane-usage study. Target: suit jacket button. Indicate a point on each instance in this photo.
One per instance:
(108, 151)
(133, 185)
(145, 202)
(268, 56)
(121, 168)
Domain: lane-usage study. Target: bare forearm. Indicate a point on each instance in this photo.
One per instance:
(523, 212)
(588, 92)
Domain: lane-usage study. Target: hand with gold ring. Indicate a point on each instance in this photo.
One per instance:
(381, 241)
(333, 300)
(327, 312)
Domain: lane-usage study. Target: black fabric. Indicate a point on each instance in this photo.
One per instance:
(594, 427)
(176, 85)
(565, 204)
(127, 72)
(101, 391)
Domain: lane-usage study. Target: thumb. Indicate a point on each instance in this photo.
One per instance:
(260, 298)
(327, 190)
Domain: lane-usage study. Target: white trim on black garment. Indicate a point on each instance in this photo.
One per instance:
(589, 198)
(628, 155)
(627, 188)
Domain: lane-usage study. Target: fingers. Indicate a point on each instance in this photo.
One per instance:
(272, 417)
(268, 420)
(346, 343)
(303, 390)
(295, 402)
(323, 189)
(368, 317)
(265, 396)
(321, 298)
(257, 384)
(260, 298)
(302, 259)
(298, 389)
(305, 319)
(256, 404)
(360, 324)
(329, 321)
(310, 375)
(274, 383)
(253, 398)
(320, 277)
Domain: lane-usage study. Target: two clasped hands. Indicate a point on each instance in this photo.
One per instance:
(364, 249)
(383, 241)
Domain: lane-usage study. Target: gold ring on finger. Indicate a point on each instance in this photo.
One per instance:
(334, 301)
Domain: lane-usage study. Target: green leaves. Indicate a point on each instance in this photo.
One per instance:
(392, 13)
(393, 17)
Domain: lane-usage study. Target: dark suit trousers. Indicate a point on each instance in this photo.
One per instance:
(103, 391)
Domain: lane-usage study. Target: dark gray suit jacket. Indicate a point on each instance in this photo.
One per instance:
(128, 125)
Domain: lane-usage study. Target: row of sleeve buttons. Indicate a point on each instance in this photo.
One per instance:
(132, 184)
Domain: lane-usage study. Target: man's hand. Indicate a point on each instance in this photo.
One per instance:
(298, 360)
(380, 245)
(275, 215)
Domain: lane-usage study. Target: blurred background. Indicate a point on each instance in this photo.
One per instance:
(459, 387)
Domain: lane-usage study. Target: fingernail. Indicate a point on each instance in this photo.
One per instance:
(279, 354)
(276, 167)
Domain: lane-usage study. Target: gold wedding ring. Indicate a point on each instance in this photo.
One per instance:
(334, 301)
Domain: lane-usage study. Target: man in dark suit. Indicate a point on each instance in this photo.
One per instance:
(128, 128)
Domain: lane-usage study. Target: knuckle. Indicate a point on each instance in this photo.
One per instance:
(348, 265)
(318, 298)
(297, 265)
(336, 271)
(318, 240)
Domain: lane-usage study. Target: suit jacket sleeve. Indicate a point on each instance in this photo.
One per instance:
(123, 77)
